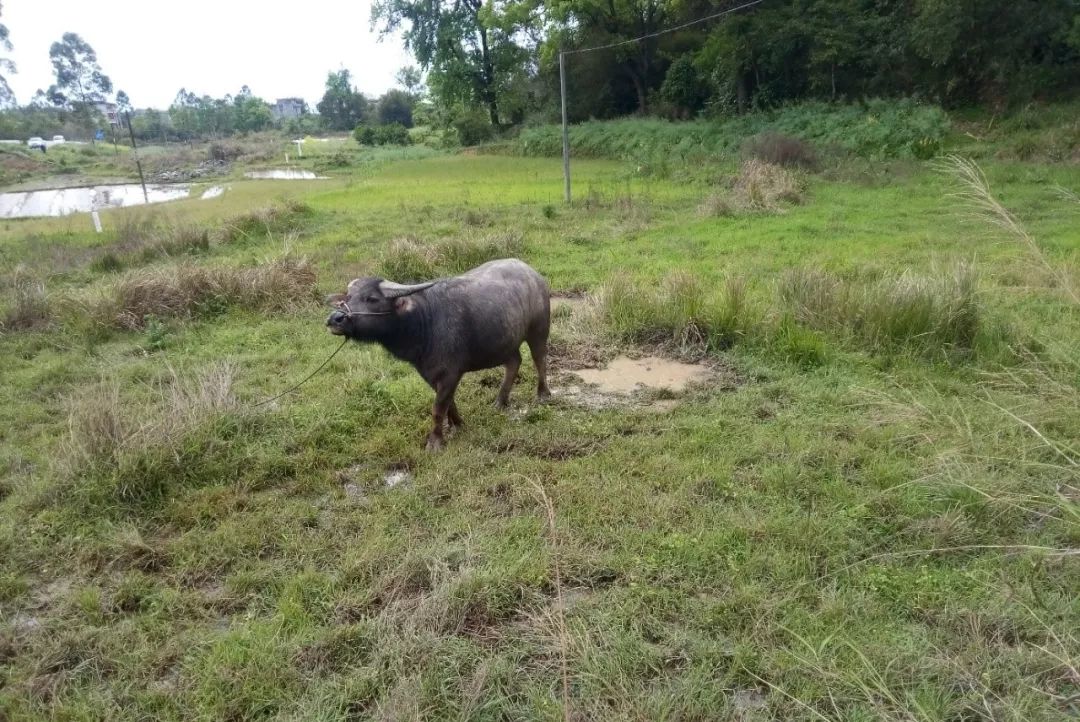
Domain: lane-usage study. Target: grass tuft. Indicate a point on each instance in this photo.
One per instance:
(680, 312)
(410, 259)
(29, 308)
(763, 186)
(935, 313)
(184, 291)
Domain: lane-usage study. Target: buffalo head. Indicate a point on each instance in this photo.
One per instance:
(368, 306)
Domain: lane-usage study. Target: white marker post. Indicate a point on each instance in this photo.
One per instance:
(299, 147)
(97, 221)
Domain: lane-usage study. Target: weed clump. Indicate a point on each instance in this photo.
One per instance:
(188, 290)
(934, 313)
(410, 259)
(678, 312)
(782, 150)
(764, 186)
(29, 308)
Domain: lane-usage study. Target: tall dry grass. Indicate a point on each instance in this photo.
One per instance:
(187, 290)
(975, 193)
(28, 307)
(413, 259)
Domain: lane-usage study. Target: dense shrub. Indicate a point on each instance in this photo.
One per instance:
(877, 129)
(474, 127)
(391, 134)
(780, 149)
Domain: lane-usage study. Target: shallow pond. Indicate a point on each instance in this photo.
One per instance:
(284, 174)
(62, 201)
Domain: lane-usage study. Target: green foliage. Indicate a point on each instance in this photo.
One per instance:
(683, 87)
(877, 129)
(392, 134)
(395, 106)
(342, 107)
(473, 127)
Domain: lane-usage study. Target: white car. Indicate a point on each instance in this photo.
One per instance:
(36, 142)
(57, 139)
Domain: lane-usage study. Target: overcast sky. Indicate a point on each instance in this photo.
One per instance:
(210, 47)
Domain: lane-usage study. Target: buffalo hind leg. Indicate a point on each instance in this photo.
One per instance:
(453, 416)
(538, 347)
(512, 366)
(444, 401)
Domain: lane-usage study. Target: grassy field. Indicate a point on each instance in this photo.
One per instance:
(875, 515)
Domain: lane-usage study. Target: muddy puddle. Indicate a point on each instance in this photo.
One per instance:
(284, 174)
(624, 375)
(64, 201)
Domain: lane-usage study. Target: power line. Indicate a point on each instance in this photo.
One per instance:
(664, 32)
(562, 78)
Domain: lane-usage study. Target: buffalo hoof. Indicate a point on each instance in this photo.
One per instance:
(502, 404)
(543, 395)
(435, 443)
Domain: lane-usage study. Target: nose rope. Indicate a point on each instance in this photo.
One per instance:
(306, 378)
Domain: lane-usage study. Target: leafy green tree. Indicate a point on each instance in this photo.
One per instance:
(7, 96)
(469, 48)
(123, 102)
(80, 82)
(342, 106)
(395, 106)
(412, 81)
(251, 112)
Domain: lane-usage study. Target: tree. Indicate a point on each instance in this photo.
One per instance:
(470, 48)
(7, 96)
(123, 102)
(342, 106)
(395, 106)
(602, 22)
(410, 78)
(80, 82)
(251, 113)
(79, 78)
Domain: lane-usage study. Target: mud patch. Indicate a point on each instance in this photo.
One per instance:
(624, 375)
(652, 382)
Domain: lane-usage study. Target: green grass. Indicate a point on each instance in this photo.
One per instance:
(877, 517)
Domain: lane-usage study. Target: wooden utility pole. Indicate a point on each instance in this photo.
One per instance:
(565, 131)
(138, 163)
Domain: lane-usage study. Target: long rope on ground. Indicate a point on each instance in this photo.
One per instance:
(665, 31)
(306, 378)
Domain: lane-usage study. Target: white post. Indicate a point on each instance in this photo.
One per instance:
(565, 132)
(286, 159)
(299, 148)
(97, 221)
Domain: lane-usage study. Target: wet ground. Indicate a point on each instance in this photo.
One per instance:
(63, 201)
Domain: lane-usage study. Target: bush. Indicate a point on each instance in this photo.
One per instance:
(392, 134)
(225, 151)
(474, 127)
(782, 150)
(763, 186)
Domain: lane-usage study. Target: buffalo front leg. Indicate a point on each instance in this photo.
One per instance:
(444, 401)
(512, 366)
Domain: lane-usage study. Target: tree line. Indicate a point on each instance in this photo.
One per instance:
(494, 64)
(501, 56)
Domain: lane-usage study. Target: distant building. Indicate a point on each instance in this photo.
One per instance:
(287, 108)
(110, 112)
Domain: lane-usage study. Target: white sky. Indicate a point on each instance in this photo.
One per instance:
(151, 49)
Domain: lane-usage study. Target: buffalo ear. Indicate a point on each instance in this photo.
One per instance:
(335, 299)
(397, 290)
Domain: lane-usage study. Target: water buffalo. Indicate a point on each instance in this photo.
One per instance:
(448, 327)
